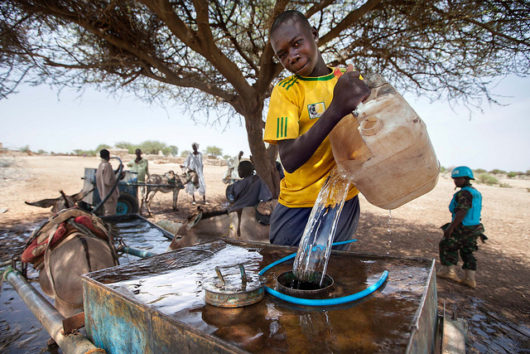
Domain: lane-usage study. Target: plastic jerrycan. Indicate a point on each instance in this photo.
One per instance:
(385, 149)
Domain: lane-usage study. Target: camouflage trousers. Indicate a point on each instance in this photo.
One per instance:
(463, 240)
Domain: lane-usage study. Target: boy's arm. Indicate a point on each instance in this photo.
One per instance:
(347, 94)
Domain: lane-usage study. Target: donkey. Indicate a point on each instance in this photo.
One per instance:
(207, 226)
(71, 243)
(168, 182)
(62, 202)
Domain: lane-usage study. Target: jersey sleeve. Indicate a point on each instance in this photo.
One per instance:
(283, 116)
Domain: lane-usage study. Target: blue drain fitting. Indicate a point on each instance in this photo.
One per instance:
(322, 302)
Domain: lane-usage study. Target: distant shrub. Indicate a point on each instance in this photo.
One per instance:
(488, 179)
(25, 148)
(152, 147)
(185, 153)
(479, 170)
(497, 172)
(442, 169)
(131, 148)
(173, 150)
(79, 152)
(512, 174)
(505, 185)
(102, 146)
(214, 151)
(41, 152)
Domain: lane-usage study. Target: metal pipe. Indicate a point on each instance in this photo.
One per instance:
(136, 252)
(48, 316)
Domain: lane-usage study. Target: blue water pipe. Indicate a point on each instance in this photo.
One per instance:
(322, 302)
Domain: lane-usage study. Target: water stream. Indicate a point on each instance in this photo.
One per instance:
(314, 250)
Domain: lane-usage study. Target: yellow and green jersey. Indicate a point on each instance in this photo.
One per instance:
(296, 104)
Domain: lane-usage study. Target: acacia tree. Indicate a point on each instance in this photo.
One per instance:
(215, 55)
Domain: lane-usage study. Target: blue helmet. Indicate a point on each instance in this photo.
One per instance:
(462, 171)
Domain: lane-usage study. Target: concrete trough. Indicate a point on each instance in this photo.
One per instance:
(157, 305)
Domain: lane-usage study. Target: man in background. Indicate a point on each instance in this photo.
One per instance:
(194, 163)
(141, 167)
(105, 181)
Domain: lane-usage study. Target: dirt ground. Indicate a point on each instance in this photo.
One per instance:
(503, 274)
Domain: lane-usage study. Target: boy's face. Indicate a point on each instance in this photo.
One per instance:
(295, 46)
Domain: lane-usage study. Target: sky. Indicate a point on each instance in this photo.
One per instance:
(42, 118)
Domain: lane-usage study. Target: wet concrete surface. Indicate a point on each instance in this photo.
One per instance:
(488, 331)
(381, 322)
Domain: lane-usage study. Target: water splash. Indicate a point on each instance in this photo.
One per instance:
(389, 222)
(389, 232)
(313, 253)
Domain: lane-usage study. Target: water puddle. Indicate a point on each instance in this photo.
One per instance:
(270, 324)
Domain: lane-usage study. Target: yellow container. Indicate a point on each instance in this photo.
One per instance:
(385, 151)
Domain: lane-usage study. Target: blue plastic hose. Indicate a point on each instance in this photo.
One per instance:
(323, 302)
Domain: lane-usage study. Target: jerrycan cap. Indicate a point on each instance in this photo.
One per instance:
(370, 126)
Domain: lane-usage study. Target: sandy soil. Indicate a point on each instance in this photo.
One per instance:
(503, 275)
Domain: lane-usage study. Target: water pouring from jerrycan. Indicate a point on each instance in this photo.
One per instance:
(383, 149)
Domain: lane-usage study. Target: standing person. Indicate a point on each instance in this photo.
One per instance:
(141, 167)
(105, 181)
(460, 235)
(194, 162)
(303, 110)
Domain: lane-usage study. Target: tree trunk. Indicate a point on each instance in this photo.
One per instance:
(264, 158)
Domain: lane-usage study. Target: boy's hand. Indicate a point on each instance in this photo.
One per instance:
(349, 91)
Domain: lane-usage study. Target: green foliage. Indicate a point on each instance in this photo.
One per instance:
(505, 185)
(101, 147)
(80, 152)
(152, 147)
(41, 152)
(173, 150)
(131, 148)
(488, 179)
(25, 148)
(497, 172)
(479, 171)
(227, 157)
(214, 151)
(442, 169)
(512, 174)
(185, 153)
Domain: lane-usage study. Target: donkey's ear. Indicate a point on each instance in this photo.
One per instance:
(44, 203)
(78, 196)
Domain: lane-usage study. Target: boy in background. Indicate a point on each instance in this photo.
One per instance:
(303, 110)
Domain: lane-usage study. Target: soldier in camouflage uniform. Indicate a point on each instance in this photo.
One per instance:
(461, 234)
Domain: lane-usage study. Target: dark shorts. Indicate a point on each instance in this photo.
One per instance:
(288, 224)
